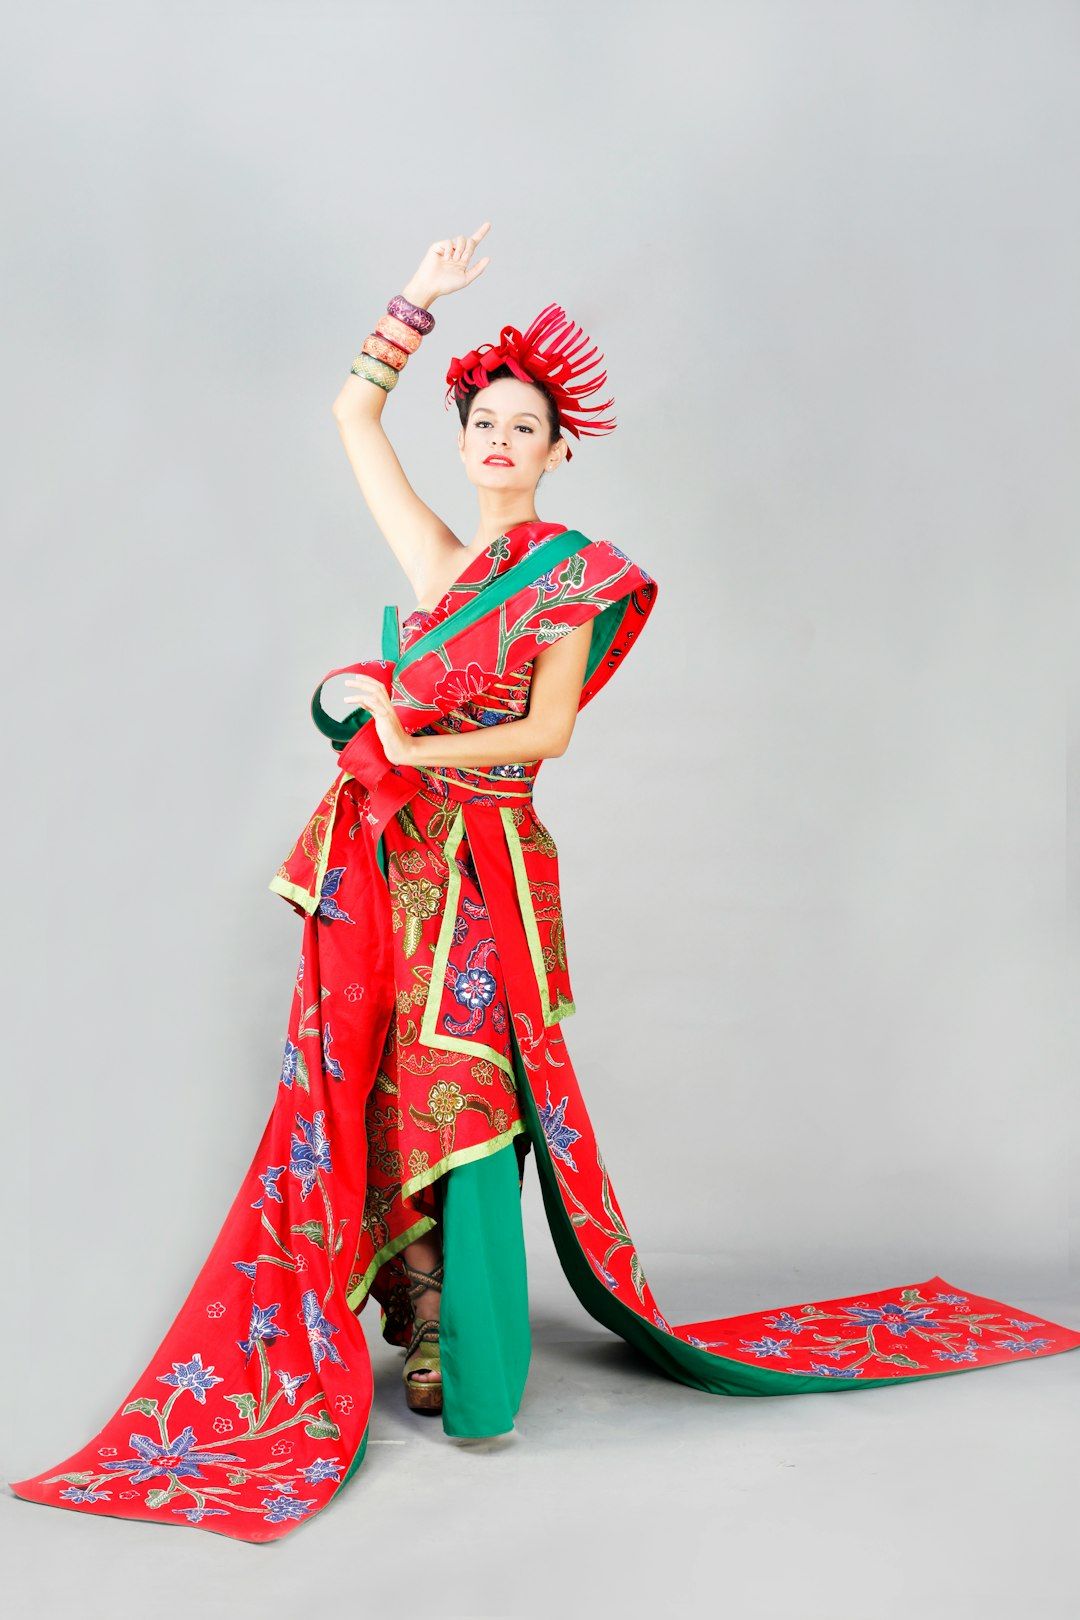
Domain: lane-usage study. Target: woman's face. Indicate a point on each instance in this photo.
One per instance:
(507, 420)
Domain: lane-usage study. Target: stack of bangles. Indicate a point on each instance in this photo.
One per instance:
(397, 335)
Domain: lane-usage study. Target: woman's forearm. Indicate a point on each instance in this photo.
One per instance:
(361, 400)
(509, 742)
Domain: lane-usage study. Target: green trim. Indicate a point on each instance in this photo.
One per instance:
(354, 1299)
(391, 634)
(547, 555)
(558, 548)
(293, 891)
(429, 1034)
(324, 853)
(467, 1155)
(552, 1015)
(606, 626)
(700, 1369)
(357, 1460)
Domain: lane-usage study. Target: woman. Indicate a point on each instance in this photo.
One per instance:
(425, 1054)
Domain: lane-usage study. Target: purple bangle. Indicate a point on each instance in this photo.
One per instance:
(421, 320)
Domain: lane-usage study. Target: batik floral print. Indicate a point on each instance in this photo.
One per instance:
(445, 1090)
(255, 1407)
(893, 1333)
(425, 1027)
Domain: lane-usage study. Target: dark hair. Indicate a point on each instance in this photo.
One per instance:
(554, 429)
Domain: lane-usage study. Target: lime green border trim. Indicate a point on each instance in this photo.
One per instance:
(324, 853)
(293, 891)
(387, 1252)
(552, 1015)
(429, 1033)
(468, 1155)
(479, 1150)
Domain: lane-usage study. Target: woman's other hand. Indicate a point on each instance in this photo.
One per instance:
(445, 267)
(373, 696)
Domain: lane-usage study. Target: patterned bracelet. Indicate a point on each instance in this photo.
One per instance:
(406, 337)
(376, 371)
(383, 349)
(397, 334)
(412, 314)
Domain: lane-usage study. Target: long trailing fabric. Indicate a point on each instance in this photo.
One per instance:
(424, 1059)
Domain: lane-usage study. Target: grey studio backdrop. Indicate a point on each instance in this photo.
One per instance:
(813, 840)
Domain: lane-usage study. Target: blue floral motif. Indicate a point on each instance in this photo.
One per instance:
(1016, 1345)
(609, 1277)
(659, 1320)
(331, 1066)
(507, 770)
(767, 1347)
(269, 1179)
(475, 988)
(191, 1375)
(329, 910)
(968, 1353)
(835, 1372)
(76, 1493)
(319, 1330)
(247, 1267)
(461, 929)
(786, 1323)
(288, 1067)
(196, 1514)
(560, 1136)
(322, 1468)
(285, 1507)
(1023, 1326)
(290, 1384)
(262, 1327)
(310, 1152)
(899, 1319)
(181, 1457)
(951, 1299)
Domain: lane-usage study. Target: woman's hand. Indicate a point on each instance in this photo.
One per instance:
(373, 696)
(445, 267)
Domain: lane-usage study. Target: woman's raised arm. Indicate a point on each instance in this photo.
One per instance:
(420, 540)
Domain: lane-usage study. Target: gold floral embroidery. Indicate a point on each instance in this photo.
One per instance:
(418, 897)
(445, 1100)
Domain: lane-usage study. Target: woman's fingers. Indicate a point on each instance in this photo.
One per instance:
(464, 245)
(370, 692)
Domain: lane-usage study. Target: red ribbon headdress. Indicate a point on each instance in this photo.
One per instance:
(548, 353)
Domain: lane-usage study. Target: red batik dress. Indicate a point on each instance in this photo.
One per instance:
(445, 1092)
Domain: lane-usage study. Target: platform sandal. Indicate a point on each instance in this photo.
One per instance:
(425, 1394)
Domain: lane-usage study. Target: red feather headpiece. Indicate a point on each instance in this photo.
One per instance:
(559, 366)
